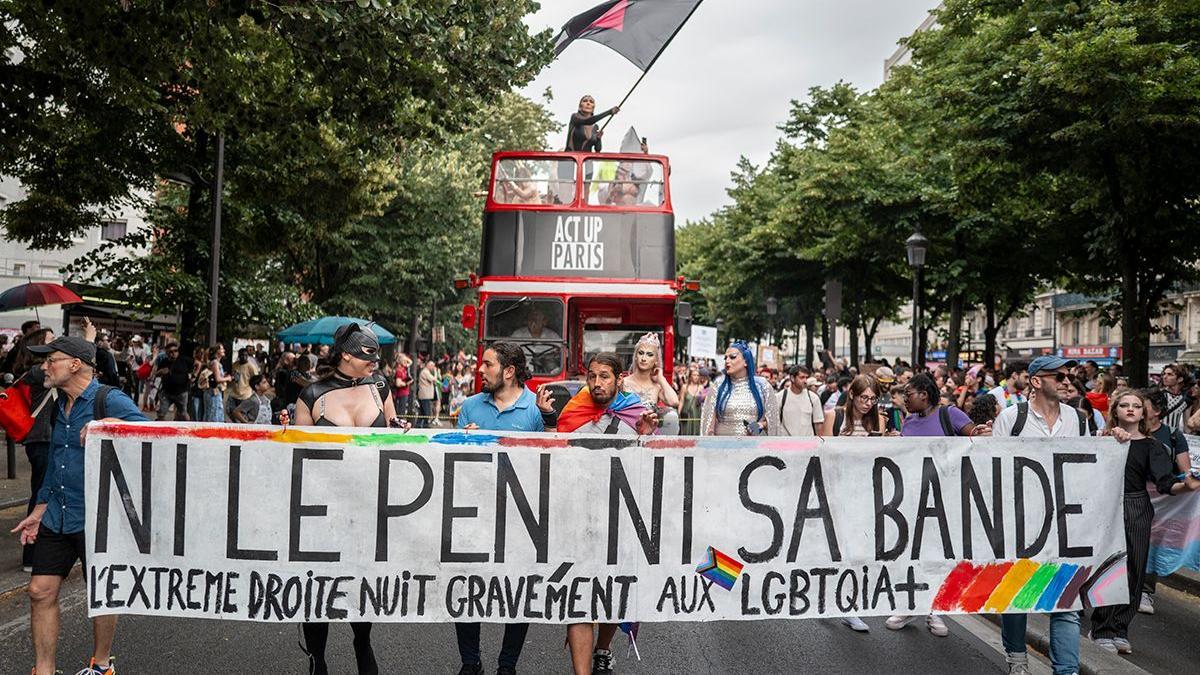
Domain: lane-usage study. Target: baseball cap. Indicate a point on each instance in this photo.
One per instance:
(885, 375)
(1049, 363)
(70, 345)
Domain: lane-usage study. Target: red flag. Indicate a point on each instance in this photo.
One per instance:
(639, 30)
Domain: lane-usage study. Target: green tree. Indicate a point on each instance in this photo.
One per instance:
(314, 98)
(1095, 106)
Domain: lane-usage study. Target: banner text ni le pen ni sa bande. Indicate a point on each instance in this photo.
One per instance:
(266, 524)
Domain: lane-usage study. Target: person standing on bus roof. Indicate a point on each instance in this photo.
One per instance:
(582, 134)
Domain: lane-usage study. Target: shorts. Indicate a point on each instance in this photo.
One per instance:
(55, 553)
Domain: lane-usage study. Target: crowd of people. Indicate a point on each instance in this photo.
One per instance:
(350, 383)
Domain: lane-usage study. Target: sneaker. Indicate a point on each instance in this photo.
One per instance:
(1106, 644)
(602, 662)
(1123, 646)
(1018, 663)
(471, 669)
(856, 624)
(898, 621)
(93, 669)
(936, 625)
(506, 670)
(1146, 606)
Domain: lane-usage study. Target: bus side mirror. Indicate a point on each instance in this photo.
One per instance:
(468, 317)
(683, 320)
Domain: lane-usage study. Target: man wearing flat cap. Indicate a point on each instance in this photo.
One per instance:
(55, 528)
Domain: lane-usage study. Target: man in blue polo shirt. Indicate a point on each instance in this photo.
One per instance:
(504, 404)
(55, 528)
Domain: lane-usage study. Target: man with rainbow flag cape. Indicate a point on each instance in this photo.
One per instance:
(602, 408)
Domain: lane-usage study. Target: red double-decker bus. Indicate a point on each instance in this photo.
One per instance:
(578, 257)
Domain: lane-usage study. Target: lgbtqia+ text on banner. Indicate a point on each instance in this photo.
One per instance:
(266, 524)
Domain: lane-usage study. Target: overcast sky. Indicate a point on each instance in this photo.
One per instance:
(727, 80)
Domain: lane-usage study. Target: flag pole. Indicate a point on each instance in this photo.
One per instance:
(653, 61)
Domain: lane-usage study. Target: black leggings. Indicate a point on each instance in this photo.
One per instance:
(316, 635)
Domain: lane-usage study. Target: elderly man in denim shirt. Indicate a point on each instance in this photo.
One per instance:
(56, 525)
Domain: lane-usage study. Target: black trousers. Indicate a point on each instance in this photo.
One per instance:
(1113, 620)
(316, 635)
(510, 647)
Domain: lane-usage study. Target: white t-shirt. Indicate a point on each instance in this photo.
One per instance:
(1066, 426)
(799, 414)
(1005, 399)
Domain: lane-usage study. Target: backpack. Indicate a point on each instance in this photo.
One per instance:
(944, 417)
(783, 402)
(1023, 415)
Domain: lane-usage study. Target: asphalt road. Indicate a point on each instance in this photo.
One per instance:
(179, 646)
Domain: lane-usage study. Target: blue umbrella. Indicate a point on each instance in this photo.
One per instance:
(320, 331)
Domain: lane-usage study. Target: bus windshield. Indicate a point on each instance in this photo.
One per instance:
(534, 181)
(534, 323)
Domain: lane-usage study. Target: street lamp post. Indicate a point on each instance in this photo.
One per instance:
(189, 179)
(772, 308)
(720, 325)
(218, 187)
(916, 246)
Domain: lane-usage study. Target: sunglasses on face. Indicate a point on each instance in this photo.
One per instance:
(1058, 377)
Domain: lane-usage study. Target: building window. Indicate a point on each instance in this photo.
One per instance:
(1075, 332)
(18, 269)
(1103, 334)
(112, 230)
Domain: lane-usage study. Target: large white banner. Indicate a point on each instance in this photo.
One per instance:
(265, 524)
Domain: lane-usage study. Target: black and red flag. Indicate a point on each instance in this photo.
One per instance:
(637, 29)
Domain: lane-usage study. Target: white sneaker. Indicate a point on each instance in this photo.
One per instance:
(1106, 644)
(936, 625)
(1146, 606)
(856, 624)
(1018, 663)
(1123, 646)
(899, 621)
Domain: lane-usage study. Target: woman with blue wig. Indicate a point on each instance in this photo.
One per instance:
(743, 402)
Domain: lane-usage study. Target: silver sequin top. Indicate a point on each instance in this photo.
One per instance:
(740, 410)
(649, 397)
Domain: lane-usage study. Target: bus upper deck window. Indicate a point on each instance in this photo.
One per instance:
(627, 183)
(534, 181)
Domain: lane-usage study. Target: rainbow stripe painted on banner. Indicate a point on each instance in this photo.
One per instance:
(1025, 585)
(719, 568)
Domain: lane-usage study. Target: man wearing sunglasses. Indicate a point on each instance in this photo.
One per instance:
(1045, 416)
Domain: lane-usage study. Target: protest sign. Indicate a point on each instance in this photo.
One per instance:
(266, 524)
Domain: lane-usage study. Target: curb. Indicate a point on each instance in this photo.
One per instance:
(1092, 659)
(1183, 580)
(14, 502)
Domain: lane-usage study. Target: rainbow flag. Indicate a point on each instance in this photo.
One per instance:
(720, 569)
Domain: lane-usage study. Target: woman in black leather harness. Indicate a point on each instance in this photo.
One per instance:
(348, 393)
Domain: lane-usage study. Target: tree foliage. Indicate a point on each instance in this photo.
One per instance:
(322, 105)
(1034, 143)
